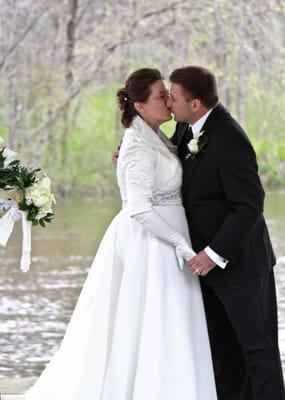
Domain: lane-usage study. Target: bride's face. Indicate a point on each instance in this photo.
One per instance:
(155, 110)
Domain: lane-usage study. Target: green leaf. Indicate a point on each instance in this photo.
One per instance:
(42, 222)
(13, 163)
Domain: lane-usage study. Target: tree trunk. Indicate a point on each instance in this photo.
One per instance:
(70, 45)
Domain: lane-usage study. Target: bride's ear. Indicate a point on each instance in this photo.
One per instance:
(139, 107)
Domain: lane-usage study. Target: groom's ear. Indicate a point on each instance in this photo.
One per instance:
(196, 105)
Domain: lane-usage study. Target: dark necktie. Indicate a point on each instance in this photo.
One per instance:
(188, 134)
(182, 148)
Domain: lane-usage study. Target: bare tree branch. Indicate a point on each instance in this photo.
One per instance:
(22, 36)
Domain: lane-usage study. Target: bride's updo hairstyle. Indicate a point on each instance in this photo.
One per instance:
(137, 88)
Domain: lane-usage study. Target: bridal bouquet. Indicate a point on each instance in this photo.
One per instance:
(25, 193)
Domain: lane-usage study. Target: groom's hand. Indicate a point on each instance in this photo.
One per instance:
(115, 155)
(201, 264)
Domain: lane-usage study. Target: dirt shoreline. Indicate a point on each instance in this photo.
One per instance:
(15, 385)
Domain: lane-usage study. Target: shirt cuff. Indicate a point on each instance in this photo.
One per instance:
(220, 261)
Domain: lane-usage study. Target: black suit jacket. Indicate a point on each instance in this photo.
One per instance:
(223, 198)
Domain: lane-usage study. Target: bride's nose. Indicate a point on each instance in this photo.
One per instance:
(168, 102)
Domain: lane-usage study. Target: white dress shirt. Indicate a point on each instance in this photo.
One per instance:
(220, 261)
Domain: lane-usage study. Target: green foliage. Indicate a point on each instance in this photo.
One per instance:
(96, 132)
(91, 142)
(90, 145)
(265, 127)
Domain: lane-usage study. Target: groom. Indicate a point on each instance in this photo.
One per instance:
(223, 198)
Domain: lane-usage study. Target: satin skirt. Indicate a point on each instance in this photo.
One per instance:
(138, 330)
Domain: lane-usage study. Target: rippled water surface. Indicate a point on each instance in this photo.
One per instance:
(36, 307)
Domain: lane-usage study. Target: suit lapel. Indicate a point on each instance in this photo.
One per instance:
(190, 165)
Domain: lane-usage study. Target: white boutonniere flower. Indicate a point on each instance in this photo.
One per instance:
(195, 145)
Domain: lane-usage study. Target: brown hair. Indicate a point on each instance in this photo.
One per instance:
(137, 88)
(198, 82)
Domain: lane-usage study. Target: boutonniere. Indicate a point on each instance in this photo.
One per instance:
(196, 144)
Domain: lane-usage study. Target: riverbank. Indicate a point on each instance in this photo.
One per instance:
(15, 385)
(96, 132)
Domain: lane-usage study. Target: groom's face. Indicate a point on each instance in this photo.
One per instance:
(180, 104)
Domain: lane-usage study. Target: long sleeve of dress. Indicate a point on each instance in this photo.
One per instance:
(140, 169)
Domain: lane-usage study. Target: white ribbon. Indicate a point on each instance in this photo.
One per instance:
(26, 246)
(7, 223)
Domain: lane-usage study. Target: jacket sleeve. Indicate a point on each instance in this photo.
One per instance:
(238, 172)
(140, 171)
(140, 168)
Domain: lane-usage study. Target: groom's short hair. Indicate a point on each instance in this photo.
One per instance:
(198, 83)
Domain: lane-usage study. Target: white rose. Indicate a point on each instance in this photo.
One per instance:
(193, 146)
(197, 134)
(45, 182)
(43, 211)
(39, 195)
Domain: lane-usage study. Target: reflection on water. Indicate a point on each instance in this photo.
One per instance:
(36, 307)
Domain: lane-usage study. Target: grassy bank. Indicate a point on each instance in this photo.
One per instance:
(265, 126)
(96, 132)
(15, 385)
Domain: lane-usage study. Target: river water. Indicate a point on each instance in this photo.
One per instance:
(36, 307)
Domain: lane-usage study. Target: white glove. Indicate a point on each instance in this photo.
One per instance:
(184, 252)
(154, 223)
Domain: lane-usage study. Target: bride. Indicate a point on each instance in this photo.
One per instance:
(138, 330)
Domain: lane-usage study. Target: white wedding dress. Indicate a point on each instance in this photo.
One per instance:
(138, 330)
